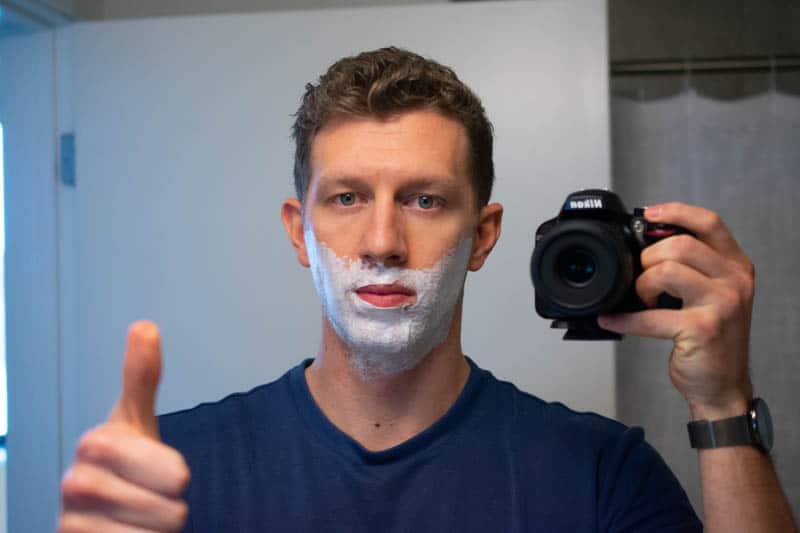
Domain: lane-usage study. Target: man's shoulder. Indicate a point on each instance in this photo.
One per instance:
(573, 455)
(535, 419)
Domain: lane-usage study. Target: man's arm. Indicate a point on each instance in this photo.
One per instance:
(709, 360)
(741, 491)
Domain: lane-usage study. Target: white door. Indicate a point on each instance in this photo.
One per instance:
(27, 112)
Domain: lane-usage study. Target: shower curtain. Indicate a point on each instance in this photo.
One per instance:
(741, 158)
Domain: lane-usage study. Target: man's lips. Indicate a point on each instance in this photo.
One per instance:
(393, 295)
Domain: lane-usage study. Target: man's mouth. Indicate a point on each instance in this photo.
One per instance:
(394, 295)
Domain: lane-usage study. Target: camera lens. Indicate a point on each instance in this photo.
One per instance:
(576, 267)
(581, 268)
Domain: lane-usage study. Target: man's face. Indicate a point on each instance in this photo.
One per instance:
(390, 227)
(396, 192)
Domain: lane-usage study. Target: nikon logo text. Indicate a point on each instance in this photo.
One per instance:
(589, 203)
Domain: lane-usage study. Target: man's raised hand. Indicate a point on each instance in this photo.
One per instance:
(715, 280)
(123, 478)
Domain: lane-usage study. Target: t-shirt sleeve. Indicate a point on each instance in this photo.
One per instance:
(638, 491)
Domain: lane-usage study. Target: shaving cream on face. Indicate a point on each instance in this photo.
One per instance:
(386, 341)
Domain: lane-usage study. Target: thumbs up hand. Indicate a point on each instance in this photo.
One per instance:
(123, 477)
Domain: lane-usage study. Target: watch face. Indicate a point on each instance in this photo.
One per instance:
(761, 424)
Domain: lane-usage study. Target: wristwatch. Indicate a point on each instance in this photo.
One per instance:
(753, 428)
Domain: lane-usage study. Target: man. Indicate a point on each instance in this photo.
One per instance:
(391, 427)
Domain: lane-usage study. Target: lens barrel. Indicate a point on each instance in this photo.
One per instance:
(582, 268)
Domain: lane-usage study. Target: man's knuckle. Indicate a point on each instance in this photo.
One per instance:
(744, 286)
(749, 270)
(71, 523)
(709, 326)
(686, 245)
(668, 269)
(97, 446)
(731, 301)
(180, 515)
(748, 288)
(178, 482)
(711, 222)
(179, 474)
(78, 484)
(672, 248)
(748, 266)
(183, 477)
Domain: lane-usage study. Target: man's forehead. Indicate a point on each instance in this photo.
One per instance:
(423, 145)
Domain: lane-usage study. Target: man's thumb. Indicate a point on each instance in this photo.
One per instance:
(140, 376)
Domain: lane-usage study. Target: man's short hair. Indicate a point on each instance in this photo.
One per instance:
(384, 83)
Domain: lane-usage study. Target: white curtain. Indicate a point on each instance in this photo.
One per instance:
(740, 158)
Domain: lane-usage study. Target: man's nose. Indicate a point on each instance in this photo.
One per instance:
(383, 239)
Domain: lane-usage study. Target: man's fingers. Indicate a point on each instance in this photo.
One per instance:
(697, 326)
(675, 279)
(136, 458)
(90, 489)
(81, 522)
(140, 376)
(705, 224)
(689, 251)
(657, 323)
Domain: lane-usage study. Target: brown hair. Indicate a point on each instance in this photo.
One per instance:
(383, 83)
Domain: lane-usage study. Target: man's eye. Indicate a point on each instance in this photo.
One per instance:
(426, 202)
(347, 198)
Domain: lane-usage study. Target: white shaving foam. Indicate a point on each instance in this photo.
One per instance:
(386, 341)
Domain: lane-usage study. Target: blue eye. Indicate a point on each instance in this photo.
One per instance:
(347, 198)
(425, 202)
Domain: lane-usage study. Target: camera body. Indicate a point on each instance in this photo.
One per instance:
(586, 260)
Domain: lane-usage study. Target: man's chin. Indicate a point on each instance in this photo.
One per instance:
(385, 361)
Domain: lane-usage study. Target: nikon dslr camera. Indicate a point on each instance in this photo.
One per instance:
(586, 260)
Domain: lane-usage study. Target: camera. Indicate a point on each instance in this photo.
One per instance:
(586, 260)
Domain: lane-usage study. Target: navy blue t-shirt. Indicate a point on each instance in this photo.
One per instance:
(499, 460)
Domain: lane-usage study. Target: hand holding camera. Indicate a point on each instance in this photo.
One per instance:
(586, 261)
(593, 275)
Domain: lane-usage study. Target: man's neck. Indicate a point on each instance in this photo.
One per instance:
(382, 412)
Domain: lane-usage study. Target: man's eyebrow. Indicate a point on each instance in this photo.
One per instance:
(446, 183)
(341, 181)
(437, 183)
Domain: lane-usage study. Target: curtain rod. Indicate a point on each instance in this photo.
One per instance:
(704, 65)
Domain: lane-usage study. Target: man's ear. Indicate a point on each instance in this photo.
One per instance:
(486, 235)
(292, 218)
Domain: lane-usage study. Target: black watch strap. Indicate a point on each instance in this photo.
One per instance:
(732, 431)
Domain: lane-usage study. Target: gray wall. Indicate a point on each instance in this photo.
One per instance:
(184, 156)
